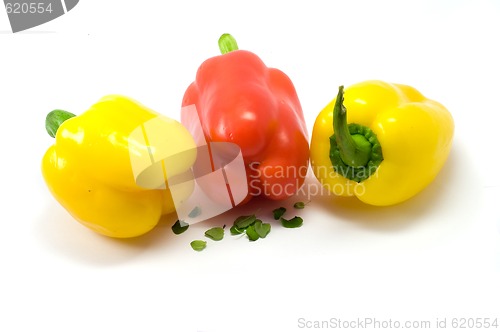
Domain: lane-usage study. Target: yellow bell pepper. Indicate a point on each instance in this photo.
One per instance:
(395, 144)
(93, 168)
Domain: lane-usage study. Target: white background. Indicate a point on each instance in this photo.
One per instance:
(436, 256)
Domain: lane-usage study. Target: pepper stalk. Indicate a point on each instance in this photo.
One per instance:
(55, 119)
(227, 43)
(355, 151)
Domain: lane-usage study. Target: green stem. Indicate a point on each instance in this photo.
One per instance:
(355, 150)
(227, 43)
(54, 119)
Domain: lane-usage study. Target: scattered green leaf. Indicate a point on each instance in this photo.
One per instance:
(215, 233)
(299, 205)
(262, 229)
(278, 213)
(252, 233)
(292, 223)
(236, 231)
(198, 245)
(180, 227)
(195, 212)
(244, 221)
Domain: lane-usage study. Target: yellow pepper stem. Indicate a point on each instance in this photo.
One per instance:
(355, 151)
(54, 119)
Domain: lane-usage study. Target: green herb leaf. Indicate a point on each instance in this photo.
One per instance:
(216, 233)
(244, 221)
(299, 205)
(278, 213)
(252, 233)
(262, 229)
(180, 227)
(195, 212)
(292, 223)
(236, 231)
(198, 245)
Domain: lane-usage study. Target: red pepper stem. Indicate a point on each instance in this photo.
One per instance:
(54, 119)
(227, 43)
(355, 150)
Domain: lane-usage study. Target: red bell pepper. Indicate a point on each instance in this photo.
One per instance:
(242, 101)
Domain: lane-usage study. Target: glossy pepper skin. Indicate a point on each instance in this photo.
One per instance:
(89, 172)
(409, 142)
(240, 100)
